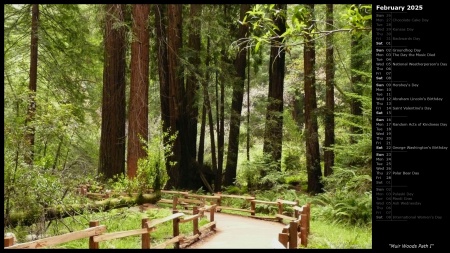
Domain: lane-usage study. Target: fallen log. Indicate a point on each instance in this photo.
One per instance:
(63, 211)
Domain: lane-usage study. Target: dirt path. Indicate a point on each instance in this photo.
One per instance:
(237, 232)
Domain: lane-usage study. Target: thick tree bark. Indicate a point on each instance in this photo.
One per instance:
(236, 105)
(163, 69)
(312, 137)
(273, 135)
(192, 81)
(329, 113)
(176, 96)
(138, 109)
(32, 87)
(112, 140)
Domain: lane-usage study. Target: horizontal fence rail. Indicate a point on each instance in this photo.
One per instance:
(295, 233)
(296, 229)
(97, 233)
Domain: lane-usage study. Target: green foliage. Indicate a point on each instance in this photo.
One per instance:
(338, 236)
(151, 173)
(67, 97)
(359, 152)
(121, 183)
(348, 191)
(347, 198)
(235, 190)
(28, 192)
(115, 220)
(152, 169)
(291, 160)
(250, 174)
(262, 27)
(352, 180)
(359, 16)
(348, 207)
(297, 180)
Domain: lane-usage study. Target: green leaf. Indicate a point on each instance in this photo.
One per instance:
(258, 44)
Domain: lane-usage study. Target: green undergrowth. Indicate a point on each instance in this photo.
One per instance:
(324, 235)
(122, 219)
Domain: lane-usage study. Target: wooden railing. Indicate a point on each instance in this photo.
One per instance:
(297, 228)
(96, 234)
(295, 233)
(186, 199)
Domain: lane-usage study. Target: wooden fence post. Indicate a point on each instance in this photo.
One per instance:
(186, 196)
(211, 216)
(176, 230)
(219, 200)
(280, 207)
(308, 213)
(8, 241)
(283, 238)
(174, 203)
(303, 230)
(253, 207)
(296, 213)
(92, 244)
(293, 244)
(195, 221)
(146, 236)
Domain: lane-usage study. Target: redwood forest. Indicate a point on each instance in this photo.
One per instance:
(131, 100)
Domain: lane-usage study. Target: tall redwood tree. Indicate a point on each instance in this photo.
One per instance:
(236, 105)
(112, 140)
(273, 135)
(176, 93)
(329, 112)
(311, 127)
(160, 11)
(138, 108)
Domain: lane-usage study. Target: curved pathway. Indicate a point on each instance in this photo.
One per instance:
(238, 232)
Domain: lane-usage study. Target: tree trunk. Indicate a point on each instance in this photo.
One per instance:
(236, 104)
(220, 138)
(208, 109)
(112, 140)
(30, 130)
(273, 134)
(221, 129)
(329, 112)
(201, 143)
(138, 109)
(176, 95)
(192, 80)
(163, 70)
(311, 131)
